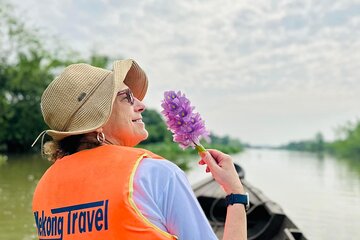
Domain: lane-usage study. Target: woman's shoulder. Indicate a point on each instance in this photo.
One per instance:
(160, 166)
(154, 176)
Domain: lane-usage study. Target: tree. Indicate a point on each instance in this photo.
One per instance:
(348, 143)
(25, 70)
(156, 127)
(314, 145)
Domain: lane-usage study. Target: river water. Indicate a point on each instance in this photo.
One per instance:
(321, 194)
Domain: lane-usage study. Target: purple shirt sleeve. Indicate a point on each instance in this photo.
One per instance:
(164, 196)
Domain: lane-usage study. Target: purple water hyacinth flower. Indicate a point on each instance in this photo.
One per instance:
(187, 126)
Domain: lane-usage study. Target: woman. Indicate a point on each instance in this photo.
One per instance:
(100, 186)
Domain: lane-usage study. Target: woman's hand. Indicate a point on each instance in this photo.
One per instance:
(222, 169)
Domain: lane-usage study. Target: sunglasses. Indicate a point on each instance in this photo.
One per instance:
(129, 95)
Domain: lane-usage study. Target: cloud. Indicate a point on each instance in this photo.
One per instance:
(265, 55)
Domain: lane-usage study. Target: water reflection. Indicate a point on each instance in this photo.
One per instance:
(320, 193)
(18, 178)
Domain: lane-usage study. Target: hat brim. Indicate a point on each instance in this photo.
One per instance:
(135, 78)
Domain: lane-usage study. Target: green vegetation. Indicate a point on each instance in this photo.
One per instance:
(3, 159)
(313, 145)
(24, 72)
(347, 144)
(225, 144)
(27, 67)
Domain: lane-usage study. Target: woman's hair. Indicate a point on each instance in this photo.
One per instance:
(54, 150)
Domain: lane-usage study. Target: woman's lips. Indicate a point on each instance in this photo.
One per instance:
(138, 120)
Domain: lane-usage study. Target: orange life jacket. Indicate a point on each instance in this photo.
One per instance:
(88, 195)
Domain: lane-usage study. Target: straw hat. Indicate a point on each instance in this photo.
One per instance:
(80, 99)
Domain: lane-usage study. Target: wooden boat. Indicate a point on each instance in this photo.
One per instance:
(265, 218)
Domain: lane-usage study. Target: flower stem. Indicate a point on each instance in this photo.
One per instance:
(200, 148)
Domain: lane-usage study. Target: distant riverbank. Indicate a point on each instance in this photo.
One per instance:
(347, 144)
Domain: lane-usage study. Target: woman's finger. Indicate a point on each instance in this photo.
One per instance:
(217, 155)
(209, 160)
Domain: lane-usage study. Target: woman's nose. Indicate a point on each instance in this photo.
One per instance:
(139, 106)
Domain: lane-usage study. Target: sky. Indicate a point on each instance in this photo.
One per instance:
(264, 71)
